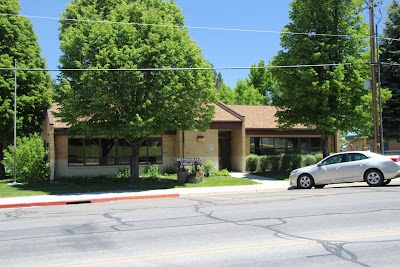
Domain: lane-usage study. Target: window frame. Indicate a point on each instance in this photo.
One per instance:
(297, 148)
(115, 159)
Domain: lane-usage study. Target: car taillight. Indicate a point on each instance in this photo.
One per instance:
(395, 159)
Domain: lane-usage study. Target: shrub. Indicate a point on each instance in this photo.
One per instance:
(297, 161)
(223, 172)
(286, 162)
(308, 160)
(318, 157)
(252, 163)
(170, 170)
(152, 171)
(275, 163)
(208, 168)
(264, 163)
(31, 161)
(124, 173)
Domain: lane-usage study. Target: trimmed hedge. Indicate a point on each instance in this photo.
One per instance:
(281, 162)
(252, 163)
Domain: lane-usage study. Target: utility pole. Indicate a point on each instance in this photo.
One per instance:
(373, 77)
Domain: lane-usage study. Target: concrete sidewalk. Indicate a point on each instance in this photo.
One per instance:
(53, 200)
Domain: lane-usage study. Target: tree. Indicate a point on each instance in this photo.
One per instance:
(246, 94)
(225, 94)
(32, 164)
(130, 97)
(218, 80)
(324, 97)
(390, 74)
(18, 42)
(260, 77)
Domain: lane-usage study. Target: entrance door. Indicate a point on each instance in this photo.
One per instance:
(224, 150)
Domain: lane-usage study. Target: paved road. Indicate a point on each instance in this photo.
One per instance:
(352, 225)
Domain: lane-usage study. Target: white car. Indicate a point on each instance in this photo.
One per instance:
(345, 167)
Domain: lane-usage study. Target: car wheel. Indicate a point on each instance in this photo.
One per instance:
(305, 181)
(319, 185)
(374, 178)
(386, 182)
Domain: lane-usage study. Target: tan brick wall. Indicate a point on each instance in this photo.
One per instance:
(61, 145)
(194, 148)
(238, 150)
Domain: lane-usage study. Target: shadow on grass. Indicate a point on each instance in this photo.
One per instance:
(279, 175)
(80, 185)
(107, 184)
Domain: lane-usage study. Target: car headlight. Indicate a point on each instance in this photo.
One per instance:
(293, 172)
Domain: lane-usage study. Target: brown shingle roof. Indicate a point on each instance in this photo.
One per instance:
(255, 117)
(225, 114)
(57, 121)
(259, 117)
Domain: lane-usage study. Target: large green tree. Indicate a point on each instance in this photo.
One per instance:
(390, 71)
(18, 43)
(322, 96)
(130, 96)
(226, 94)
(261, 79)
(246, 94)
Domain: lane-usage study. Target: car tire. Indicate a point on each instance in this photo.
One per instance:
(319, 186)
(386, 182)
(305, 181)
(374, 178)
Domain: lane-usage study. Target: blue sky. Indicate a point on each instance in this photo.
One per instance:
(221, 48)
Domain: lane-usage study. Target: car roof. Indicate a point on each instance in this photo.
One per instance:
(367, 153)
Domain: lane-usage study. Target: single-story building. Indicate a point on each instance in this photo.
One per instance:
(235, 132)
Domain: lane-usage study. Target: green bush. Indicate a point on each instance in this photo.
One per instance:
(31, 162)
(208, 168)
(264, 163)
(252, 163)
(170, 170)
(124, 173)
(318, 157)
(152, 171)
(297, 161)
(275, 163)
(308, 160)
(286, 162)
(223, 172)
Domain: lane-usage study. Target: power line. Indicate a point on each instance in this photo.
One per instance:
(195, 27)
(186, 69)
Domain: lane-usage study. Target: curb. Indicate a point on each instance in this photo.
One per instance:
(83, 201)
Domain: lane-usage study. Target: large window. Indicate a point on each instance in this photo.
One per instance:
(276, 146)
(102, 151)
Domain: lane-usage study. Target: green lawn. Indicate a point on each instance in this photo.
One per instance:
(107, 184)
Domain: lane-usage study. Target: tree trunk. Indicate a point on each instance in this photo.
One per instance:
(134, 164)
(2, 170)
(325, 148)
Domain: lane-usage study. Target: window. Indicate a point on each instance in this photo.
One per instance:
(315, 144)
(276, 146)
(150, 151)
(76, 152)
(102, 151)
(124, 152)
(333, 160)
(355, 157)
